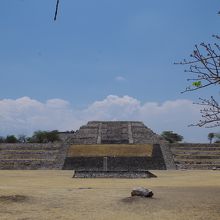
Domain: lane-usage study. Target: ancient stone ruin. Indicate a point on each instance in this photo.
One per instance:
(119, 148)
(115, 148)
(114, 132)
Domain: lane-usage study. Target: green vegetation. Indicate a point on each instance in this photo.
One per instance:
(37, 137)
(44, 136)
(197, 84)
(11, 139)
(8, 139)
(172, 137)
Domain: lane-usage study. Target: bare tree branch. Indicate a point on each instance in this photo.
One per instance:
(56, 11)
(210, 113)
(204, 66)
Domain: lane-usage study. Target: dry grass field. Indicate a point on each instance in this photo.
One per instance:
(111, 150)
(41, 195)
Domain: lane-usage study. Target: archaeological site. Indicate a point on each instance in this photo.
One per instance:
(113, 147)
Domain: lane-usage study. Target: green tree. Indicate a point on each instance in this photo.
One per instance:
(171, 136)
(53, 136)
(11, 139)
(45, 136)
(210, 137)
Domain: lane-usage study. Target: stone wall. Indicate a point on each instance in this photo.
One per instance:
(86, 135)
(53, 156)
(167, 155)
(118, 163)
(196, 156)
(113, 174)
(143, 134)
(32, 156)
(114, 132)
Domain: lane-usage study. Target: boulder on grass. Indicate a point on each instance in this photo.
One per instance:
(141, 191)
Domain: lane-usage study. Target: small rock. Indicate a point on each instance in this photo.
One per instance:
(141, 191)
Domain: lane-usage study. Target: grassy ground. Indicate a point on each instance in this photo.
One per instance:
(111, 150)
(193, 195)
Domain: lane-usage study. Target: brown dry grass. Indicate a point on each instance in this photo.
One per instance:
(45, 195)
(111, 150)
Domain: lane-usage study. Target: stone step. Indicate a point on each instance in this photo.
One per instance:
(25, 147)
(25, 160)
(194, 148)
(84, 141)
(195, 152)
(32, 156)
(217, 155)
(28, 164)
(197, 161)
(193, 145)
(177, 157)
(198, 166)
(117, 137)
(33, 151)
(45, 155)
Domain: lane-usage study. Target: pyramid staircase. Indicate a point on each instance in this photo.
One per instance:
(196, 156)
(32, 156)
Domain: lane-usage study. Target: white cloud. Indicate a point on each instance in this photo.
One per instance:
(120, 78)
(25, 115)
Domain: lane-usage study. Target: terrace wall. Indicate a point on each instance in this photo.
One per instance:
(156, 162)
(196, 156)
(32, 156)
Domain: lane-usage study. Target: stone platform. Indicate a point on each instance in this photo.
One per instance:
(127, 145)
(113, 174)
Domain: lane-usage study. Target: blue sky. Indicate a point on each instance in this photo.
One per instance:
(99, 48)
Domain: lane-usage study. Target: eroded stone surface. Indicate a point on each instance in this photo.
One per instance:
(141, 191)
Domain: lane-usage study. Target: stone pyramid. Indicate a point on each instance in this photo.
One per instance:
(115, 132)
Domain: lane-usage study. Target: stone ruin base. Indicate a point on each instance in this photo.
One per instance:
(113, 174)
